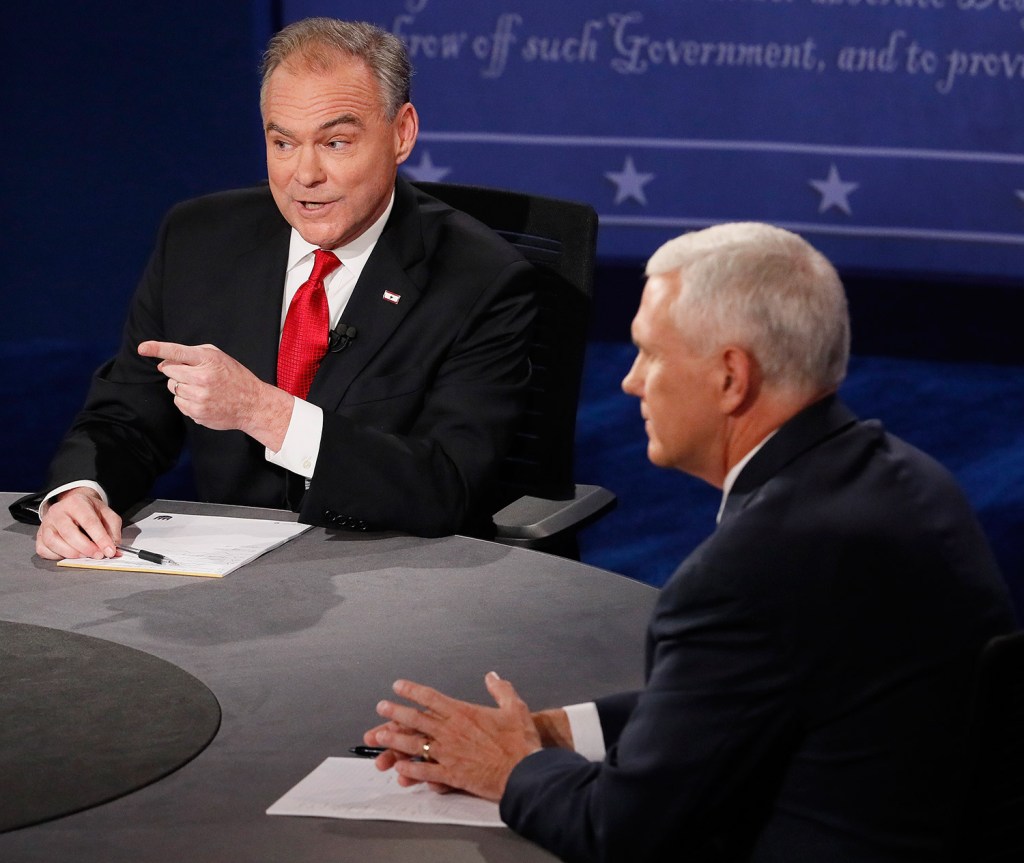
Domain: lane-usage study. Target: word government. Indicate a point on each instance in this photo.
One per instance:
(636, 52)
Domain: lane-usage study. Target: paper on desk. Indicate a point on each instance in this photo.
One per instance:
(355, 788)
(206, 545)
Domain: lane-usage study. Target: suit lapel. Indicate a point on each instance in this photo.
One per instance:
(392, 269)
(259, 272)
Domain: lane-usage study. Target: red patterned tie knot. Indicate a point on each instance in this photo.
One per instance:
(305, 336)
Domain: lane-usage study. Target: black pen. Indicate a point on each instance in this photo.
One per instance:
(367, 751)
(150, 556)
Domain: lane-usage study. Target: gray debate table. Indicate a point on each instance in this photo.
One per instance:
(298, 647)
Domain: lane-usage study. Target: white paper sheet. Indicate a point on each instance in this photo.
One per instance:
(355, 788)
(206, 545)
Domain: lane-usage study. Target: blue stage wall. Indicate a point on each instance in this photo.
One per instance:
(891, 132)
(113, 111)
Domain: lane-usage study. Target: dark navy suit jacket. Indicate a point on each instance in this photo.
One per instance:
(418, 409)
(808, 671)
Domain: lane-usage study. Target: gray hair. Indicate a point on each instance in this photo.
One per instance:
(767, 290)
(315, 43)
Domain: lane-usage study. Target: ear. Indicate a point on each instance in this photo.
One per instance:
(738, 381)
(406, 127)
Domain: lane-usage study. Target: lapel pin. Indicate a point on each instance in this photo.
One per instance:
(392, 297)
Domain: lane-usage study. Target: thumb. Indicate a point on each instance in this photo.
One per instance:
(502, 691)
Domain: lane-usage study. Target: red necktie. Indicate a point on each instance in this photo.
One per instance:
(306, 326)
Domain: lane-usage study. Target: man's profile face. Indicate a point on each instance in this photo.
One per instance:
(331, 154)
(676, 386)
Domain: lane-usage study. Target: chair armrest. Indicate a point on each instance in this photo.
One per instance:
(530, 521)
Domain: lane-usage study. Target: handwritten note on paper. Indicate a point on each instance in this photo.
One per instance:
(204, 545)
(355, 788)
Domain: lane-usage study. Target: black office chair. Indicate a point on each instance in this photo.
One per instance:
(991, 829)
(541, 506)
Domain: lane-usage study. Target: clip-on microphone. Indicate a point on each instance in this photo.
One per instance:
(339, 338)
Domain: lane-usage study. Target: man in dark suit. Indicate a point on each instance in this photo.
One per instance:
(809, 665)
(413, 403)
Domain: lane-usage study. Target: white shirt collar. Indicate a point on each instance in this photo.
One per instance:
(734, 472)
(353, 255)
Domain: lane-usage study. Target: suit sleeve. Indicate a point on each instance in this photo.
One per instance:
(432, 478)
(128, 432)
(697, 754)
(614, 712)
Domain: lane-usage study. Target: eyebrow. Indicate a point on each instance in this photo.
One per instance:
(343, 120)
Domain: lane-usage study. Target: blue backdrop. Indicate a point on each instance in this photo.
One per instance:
(114, 111)
(889, 131)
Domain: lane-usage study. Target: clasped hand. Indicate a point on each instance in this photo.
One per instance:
(471, 747)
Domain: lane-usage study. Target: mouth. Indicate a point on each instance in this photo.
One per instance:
(312, 206)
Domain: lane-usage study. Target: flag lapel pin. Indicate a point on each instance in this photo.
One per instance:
(392, 297)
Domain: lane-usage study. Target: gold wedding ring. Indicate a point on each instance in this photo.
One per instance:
(426, 751)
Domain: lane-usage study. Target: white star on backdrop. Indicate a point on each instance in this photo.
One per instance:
(629, 183)
(834, 192)
(426, 171)
(1020, 195)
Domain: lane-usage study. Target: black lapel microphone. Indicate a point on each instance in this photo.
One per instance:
(340, 337)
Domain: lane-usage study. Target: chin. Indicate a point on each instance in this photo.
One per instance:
(322, 238)
(656, 456)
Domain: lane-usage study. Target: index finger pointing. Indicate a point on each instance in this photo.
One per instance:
(170, 351)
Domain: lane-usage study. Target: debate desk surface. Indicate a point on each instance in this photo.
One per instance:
(298, 647)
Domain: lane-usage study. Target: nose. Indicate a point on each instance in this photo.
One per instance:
(631, 383)
(309, 171)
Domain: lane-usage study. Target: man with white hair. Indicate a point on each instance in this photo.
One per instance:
(809, 665)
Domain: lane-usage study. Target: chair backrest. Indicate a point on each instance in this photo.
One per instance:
(992, 826)
(559, 238)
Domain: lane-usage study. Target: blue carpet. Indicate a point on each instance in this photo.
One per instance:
(968, 416)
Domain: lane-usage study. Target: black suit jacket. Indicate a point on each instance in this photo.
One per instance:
(808, 670)
(418, 409)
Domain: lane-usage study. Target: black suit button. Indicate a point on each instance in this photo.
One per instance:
(348, 522)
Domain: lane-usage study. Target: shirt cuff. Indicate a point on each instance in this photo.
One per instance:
(82, 483)
(585, 725)
(301, 441)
